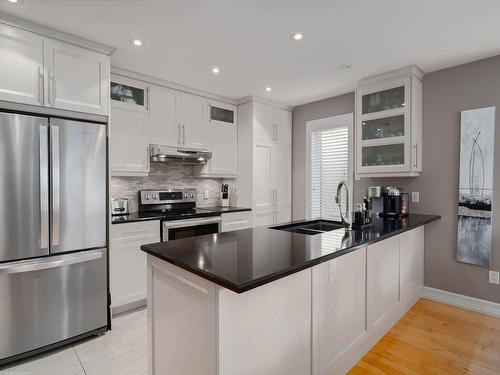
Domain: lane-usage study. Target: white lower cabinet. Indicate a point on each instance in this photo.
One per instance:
(263, 217)
(283, 215)
(339, 292)
(411, 263)
(236, 220)
(382, 279)
(127, 263)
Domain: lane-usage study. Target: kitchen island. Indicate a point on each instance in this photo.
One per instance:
(274, 301)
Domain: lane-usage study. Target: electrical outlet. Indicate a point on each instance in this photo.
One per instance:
(205, 194)
(494, 277)
(415, 196)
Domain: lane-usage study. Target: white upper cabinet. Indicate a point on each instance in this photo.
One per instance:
(221, 137)
(264, 123)
(164, 127)
(75, 78)
(21, 74)
(129, 93)
(389, 124)
(272, 124)
(191, 111)
(128, 142)
(283, 127)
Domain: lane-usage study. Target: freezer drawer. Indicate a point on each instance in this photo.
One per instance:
(51, 299)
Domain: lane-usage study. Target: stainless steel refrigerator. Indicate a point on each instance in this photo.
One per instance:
(53, 256)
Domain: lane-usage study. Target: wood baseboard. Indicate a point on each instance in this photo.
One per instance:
(465, 302)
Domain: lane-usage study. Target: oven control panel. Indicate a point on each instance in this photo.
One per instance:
(166, 196)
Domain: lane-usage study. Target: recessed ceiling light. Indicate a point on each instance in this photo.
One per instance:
(297, 36)
(269, 89)
(346, 66)
(137, 42)
(215, 70)
(13, 1)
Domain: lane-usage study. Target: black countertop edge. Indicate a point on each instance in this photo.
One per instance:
(226, 210)
(133, 217)
(257, 282)
(244, 287)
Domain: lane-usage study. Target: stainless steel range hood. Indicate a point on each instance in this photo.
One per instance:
(186, 155)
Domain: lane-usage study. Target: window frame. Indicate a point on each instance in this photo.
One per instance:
(325, 124)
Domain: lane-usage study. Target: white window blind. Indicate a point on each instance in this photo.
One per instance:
(329, 165)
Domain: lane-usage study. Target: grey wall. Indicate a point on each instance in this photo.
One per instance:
(446, 93)
(338, 105)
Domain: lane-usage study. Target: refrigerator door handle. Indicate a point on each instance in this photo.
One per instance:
(44, 187)
(50, 262)
(56, 176)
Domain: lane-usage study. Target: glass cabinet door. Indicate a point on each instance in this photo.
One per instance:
(386, 127)
(383, 127)
(383, 100)
(386, 155)
(127, 94)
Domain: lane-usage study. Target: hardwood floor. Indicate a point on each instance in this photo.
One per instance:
(434, 338)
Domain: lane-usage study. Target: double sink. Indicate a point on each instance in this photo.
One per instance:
(311, 227)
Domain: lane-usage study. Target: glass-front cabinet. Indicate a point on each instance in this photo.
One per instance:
(388, 124)
(129, 94)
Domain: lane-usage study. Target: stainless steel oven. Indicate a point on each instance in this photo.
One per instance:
(175, 229)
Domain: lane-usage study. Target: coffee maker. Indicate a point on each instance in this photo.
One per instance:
(388, 202)
(395, 203)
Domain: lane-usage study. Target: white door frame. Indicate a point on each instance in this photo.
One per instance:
(328, 123)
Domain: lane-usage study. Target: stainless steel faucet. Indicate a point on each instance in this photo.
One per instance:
(346, 219)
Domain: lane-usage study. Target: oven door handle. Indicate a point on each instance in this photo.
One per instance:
(191, 222)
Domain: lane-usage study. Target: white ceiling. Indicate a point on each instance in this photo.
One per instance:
(249, 39)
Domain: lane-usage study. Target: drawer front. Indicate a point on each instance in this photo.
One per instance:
(135, 231)
(236, 221)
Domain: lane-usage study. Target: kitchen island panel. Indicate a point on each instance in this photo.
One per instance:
(266, 331)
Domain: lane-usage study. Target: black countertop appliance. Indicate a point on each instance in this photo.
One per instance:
(395, 203)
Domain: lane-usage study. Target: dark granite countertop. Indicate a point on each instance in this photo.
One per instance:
(225, 210)
(134, 216)
(248, 258)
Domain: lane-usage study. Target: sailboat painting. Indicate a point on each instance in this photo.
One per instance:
(477, 134)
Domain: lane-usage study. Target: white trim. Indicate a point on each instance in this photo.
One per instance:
(410, 69)
(465, 302)
(258, 99)
(49, 32)
(52, 111)
(326, 123)
(171, 85)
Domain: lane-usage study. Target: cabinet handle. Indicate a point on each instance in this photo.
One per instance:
(50, 88)
(209, 112)
(183, 134)
(415, 147)
(40, 85)
(275, 133)
(179, 134)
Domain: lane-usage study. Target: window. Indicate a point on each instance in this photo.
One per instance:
(329, 162)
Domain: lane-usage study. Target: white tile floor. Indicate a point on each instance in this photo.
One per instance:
(121, 351)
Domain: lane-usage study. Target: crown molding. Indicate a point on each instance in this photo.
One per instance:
(171, 85)
(49, 32)
(259, 99)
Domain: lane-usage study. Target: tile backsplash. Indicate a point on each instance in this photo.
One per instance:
(167, 176)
